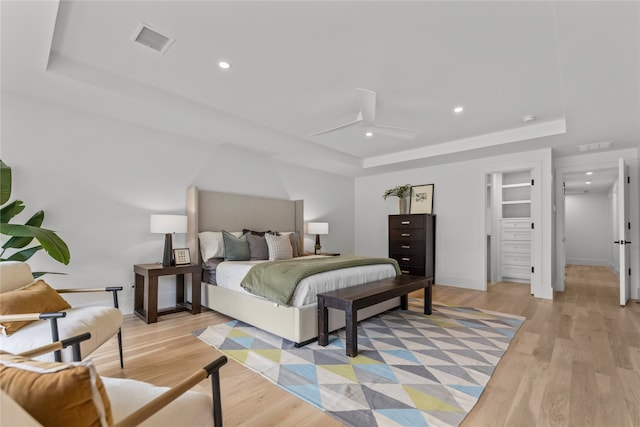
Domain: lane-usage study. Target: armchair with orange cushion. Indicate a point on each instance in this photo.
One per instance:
(33, 314)
(36, 393)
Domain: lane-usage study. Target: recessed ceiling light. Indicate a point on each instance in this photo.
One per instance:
(528, 118)
(368, 134)
(224, 65)
(588, 182)
(458, 109)
(589, 173)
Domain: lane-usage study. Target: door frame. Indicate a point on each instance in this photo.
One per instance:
(536, 218)
(560, 214)
(624, 194)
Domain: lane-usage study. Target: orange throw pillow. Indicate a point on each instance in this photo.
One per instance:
(38, 297)
(57, 394)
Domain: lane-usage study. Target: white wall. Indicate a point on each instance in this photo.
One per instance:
(588, 230)
(98, 180)
(459, 203)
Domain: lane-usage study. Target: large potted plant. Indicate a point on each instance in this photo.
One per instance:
(21, 235)
(402, 192)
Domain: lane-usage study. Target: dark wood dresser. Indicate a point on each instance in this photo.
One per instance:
(412, 242)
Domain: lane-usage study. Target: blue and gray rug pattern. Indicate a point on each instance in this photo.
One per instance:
(411, 370)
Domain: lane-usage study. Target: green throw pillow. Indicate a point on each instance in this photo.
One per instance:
(235, 248)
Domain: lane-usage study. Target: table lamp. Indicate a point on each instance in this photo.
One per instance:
(318, 228)
(168, 224)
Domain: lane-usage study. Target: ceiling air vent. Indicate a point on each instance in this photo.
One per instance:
(147, 36)
(595, 146)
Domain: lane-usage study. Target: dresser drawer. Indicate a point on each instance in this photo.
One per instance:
(408, 247)
(406, 221)
(516, 259)
(413, 271)
(516, 234)
(409, 260)
(408, 234)
(519, 247)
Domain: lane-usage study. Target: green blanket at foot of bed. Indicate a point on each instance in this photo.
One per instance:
(277, 280)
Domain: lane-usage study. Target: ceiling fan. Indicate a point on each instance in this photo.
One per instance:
(367, 119)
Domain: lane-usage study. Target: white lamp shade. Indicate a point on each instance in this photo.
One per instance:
(168, 224)
(318, 228)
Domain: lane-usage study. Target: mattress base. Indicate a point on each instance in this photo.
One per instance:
(297, 324)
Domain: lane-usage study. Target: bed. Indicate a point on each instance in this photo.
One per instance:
(216, 211)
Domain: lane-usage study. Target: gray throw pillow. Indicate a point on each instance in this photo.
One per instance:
(235, 248)
(258, 248)
(295, 244)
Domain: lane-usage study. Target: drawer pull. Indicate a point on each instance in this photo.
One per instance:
(406, 259)
(404, 271)
(405, 222)
(406, 246)
(406, 234)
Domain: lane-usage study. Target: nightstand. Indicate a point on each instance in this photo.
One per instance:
(146, 292)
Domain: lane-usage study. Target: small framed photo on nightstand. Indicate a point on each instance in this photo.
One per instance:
(182, 256)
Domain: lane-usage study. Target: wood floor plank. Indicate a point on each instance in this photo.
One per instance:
(574, 362)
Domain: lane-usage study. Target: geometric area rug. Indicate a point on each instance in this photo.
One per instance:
(411, 370)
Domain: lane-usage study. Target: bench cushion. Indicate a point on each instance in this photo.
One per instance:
(102, 322)
(190, 409)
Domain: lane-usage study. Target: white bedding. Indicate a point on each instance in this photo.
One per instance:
(229, 274)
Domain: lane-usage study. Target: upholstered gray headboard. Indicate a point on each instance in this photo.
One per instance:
(216, 211)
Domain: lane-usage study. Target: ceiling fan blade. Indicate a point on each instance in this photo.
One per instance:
(367, 105)
(346, 125)
(404, 133)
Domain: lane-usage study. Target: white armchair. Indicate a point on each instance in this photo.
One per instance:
(102, 322)
(125, 402)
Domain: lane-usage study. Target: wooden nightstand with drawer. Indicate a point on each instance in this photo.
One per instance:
(412, 243)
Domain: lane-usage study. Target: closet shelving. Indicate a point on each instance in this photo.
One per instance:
(515, 226)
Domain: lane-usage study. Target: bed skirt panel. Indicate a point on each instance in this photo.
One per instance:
(297, 324)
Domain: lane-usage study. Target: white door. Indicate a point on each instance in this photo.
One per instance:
(623, 230)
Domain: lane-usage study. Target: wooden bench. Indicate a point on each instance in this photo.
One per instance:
(357, 297)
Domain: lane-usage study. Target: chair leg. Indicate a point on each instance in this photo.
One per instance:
(57, 355)
(120, 348)
(217, 404)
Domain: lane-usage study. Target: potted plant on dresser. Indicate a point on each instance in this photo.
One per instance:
(402, 192)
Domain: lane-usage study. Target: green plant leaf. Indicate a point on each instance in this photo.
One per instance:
(20, 242)
(9, 211)
(5, 183)
(51, 243)
(37, 274)
(24, 254)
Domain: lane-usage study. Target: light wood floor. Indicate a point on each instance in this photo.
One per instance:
(574, 362)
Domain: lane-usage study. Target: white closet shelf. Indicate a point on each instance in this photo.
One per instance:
(521, 184)
(515, 202)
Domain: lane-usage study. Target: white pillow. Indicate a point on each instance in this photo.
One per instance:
(212, 244)
(279, 247)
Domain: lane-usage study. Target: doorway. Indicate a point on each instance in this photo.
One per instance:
(588, 219)
(509, 226)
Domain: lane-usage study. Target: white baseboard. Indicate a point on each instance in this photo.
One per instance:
(587, 261)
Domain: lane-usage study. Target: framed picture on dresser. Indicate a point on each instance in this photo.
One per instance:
(422, 199)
